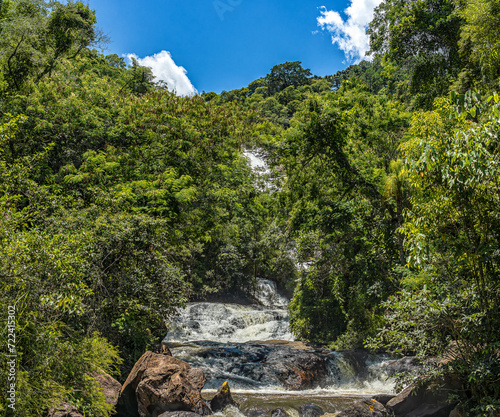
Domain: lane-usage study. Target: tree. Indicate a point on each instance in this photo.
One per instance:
(422, 37)
(42, 280)
(139, 79)
(36, 36)
(333, 160)
(285, 75)
(448, 306)
(479, 40)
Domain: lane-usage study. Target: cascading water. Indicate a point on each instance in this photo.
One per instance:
(233, 323)
(251, 347)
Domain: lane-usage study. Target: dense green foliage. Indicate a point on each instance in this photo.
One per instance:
(120, 202)
(448, 306)
(279, 94)
(335, 160)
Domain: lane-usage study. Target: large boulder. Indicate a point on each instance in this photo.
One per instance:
(297, 370)
(109, 386)
(429, 399)
(222, 398)
(197, 378)
(366, 408)
(160, 383)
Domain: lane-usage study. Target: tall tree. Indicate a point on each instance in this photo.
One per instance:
(287, 74)
(449, 301)
(422, 37)
(334, 158)
(36, 35)
(480, 38)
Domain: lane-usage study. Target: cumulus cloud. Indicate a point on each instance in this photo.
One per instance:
(350, 34)
(165, 69)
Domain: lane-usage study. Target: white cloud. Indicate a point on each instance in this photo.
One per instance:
(350, 34)
(165, 69)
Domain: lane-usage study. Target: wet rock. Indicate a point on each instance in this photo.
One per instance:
(430, 399)
(179, 414)
(279, 412)
(253, 365)
(289, 365)
(109, 386)
(310, 410)
(383, 398)
(256, 412)
(222, 399)
(160, 383)
(297, 370)
(366, 408)
(357, 360)
(65, 410)
(407, 364)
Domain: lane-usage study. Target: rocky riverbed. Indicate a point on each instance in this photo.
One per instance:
(161, 385)
(240, 360)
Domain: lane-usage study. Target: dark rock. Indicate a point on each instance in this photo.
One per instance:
(297, 370)
(430, 399)
(255, 365)
(256, 412)
(366, 408)
(431, 410)
(160, 383)
(458, 411)
(222, 398)
(65, 410)
(279, 412)
(179, 414)
(383, 398)
(407, 364)
(162, 349)
(109, 386)
(310, 410)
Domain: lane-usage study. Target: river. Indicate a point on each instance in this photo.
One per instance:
(251, 347)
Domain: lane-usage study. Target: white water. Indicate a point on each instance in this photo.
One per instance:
(234, 323)
(216, 337)
(267, 295)
(374, 380)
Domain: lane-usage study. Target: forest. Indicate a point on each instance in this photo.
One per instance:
(379, 213)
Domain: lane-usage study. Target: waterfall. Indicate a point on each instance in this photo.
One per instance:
(251, 347)
(233, 323)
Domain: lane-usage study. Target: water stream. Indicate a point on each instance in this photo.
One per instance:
(251, 347)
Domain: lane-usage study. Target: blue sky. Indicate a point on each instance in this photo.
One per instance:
(225, 44)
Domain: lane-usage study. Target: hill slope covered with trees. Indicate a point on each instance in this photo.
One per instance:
(120, 202)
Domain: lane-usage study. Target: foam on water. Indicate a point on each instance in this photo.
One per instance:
(215, 337)
(234, 323)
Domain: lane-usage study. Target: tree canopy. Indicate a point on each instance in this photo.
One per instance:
(120, 202)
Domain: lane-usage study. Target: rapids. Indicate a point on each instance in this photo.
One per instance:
(251, 347)
(233, 323)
